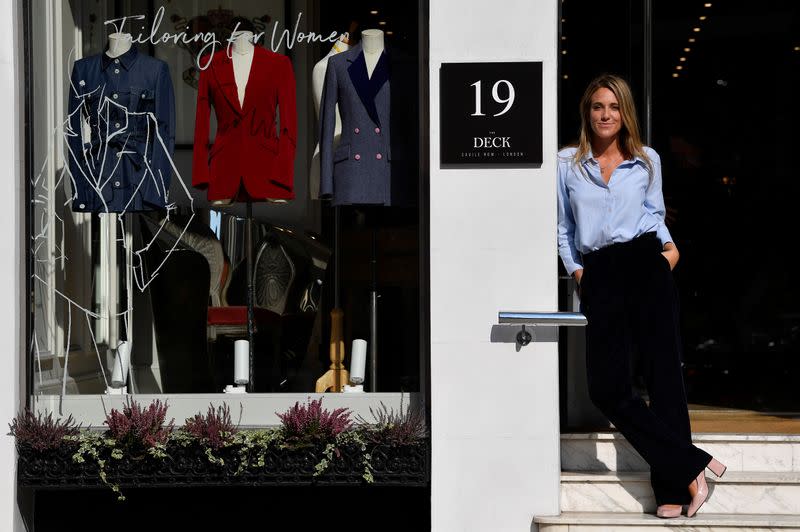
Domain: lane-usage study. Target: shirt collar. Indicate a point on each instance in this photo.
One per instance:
(126, 60)
(589, 158)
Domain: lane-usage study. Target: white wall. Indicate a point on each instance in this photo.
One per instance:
(494, 410)
(11, 259)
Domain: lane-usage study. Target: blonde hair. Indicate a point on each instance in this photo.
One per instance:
(630, 142)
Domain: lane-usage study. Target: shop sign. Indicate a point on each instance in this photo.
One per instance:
(491, 114)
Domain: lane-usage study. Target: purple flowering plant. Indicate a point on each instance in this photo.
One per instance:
(215, 428)
(139, 428)
(41, 432)
(389, 427)
(310, 424)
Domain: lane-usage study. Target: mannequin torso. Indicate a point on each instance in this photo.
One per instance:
(118, 44)
(242, 53)
(317, 85)
(372, 41)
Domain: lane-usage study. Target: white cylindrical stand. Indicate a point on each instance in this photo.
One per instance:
(241, 362)
(358, 361)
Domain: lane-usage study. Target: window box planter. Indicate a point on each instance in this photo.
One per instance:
(190, 465)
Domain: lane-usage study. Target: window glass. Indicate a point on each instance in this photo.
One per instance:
(170, 151)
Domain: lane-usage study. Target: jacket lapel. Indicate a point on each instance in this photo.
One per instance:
(380, 75)
(367, 88)
(223, 70)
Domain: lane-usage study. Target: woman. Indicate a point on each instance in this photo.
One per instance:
(613, 240)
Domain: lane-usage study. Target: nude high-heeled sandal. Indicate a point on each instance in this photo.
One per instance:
(701, 495)
(717, 467)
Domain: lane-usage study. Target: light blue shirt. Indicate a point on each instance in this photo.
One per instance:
(593, 214)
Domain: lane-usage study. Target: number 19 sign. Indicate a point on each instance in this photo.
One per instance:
(491, 114)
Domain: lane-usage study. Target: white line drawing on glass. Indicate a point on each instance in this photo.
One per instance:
(99, 166)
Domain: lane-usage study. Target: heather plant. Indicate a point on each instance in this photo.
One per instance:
(140, 429)
(404, 427)
(310, 424)
(41, 432)
(214, 429)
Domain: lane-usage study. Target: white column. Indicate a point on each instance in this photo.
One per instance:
(12, 258)
(495, 416)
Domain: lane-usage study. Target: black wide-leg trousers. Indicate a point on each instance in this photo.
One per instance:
(629, 298)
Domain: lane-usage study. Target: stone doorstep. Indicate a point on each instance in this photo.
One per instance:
(697, 437)
(734, 493)
(609, 451)
(631, 522)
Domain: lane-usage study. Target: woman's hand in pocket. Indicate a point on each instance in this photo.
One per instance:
(578, 275)
(671, 254)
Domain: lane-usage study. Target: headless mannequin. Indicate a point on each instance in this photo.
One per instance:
(118, 44)
(372, 41)
(317, 85)
(242, 52)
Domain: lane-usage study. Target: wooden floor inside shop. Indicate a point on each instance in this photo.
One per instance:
(734, 421)
(716, 419)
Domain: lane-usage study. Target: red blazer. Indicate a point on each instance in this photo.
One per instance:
(246, 148)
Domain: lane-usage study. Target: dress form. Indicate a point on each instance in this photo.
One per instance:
(373, 46)
(242, 52)
(317, 85)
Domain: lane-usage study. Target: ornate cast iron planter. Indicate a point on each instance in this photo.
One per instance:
(189, 466)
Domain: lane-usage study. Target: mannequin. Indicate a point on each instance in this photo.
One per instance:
(118, 44)
(359, 170)
(317, 84)
(252, 92)
(372, 41)
(242, 52)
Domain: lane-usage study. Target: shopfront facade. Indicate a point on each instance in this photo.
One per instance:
(482, 235)
(420, 270)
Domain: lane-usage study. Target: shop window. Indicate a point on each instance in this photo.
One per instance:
(162, 163)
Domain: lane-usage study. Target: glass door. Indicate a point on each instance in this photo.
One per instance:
(715, 84)
(725, 118)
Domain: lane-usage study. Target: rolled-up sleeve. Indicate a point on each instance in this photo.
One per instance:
(567, 250)
(654, 200)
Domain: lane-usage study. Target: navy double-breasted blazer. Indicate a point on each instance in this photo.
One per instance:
(365, 166)
(120, 133)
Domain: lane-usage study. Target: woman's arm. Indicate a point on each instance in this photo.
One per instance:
(566, 226)
(654, 203)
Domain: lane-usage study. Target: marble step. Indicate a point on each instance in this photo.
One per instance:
(638, 522)
(609, 451)
(734, 493)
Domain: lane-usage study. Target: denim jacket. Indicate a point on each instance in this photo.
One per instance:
(120, 133)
